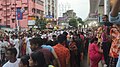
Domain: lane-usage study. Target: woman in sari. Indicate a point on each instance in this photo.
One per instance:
(95, 53)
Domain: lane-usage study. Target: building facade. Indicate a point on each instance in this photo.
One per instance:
(50, 8)
(70, 14)
(64, 20)
(29, 8)
(98, 8)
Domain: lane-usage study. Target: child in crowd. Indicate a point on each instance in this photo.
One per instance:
(24, 61)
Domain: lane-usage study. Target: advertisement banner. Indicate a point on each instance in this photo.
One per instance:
(19, 14)
(31, 22)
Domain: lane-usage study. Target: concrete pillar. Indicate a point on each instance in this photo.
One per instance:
(106, 7)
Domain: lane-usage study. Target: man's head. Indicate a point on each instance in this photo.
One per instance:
(65, 33)
(105, 18)
(62, 39)
(36, 43)
(54, 37)
(11, 53)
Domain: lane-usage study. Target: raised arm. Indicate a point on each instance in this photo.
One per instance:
(115, 8)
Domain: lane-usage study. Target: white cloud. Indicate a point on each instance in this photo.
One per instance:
(81, 7)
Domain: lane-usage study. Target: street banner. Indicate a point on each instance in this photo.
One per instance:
(19, 14)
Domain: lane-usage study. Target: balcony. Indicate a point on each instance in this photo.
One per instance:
(13, 5)
(8, 9)
(1, 9)
(6, 2)
(4, 14)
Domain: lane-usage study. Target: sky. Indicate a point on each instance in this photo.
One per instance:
(80, 7)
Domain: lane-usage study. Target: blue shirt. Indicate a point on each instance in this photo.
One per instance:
(115, 20)
(48, 47)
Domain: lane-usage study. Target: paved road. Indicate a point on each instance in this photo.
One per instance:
(84, 63)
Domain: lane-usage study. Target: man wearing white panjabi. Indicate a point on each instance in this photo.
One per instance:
(28, 49)
(16, 45)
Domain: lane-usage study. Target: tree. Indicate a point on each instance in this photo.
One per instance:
(80, 21)
(73, 22)
(41, 23)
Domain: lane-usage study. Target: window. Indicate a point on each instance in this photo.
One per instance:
(49, 1)
(33, 1)
(26, 8)
(5, 1)
(53, 15)
(42, 12)
(12, 9)
(0, 20)
(40, 2)
(8, 21)
(33, 10)
(38, 11)
(0, 9)
(5, 22)
(13, 20)
(49, 13)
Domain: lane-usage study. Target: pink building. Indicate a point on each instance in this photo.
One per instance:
(8, 10)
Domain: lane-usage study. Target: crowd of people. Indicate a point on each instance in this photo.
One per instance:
(43, 49)
(61, 48)
(64, 48)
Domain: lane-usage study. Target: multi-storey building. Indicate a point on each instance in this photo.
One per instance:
(67, 16)
(8, 12)
(50, 8)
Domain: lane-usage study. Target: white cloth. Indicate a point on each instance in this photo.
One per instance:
(28, 49)
(50, 36)
(11, 41)
(3, 44)
(9, 64)
(44, 36)
(115, 20)
(16, 43)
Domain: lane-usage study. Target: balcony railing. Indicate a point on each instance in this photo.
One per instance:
(6, 2)
(6, 14)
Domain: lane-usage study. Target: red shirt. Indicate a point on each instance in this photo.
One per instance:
(63, 54)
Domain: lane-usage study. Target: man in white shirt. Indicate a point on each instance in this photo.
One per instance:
(28, 49)
(114, 16)
(0, 47)
(3, 46)
(11, 57)
(16, 45)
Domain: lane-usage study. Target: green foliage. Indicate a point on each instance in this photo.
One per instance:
(41, 23)
(73, 22)
(80, 21)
